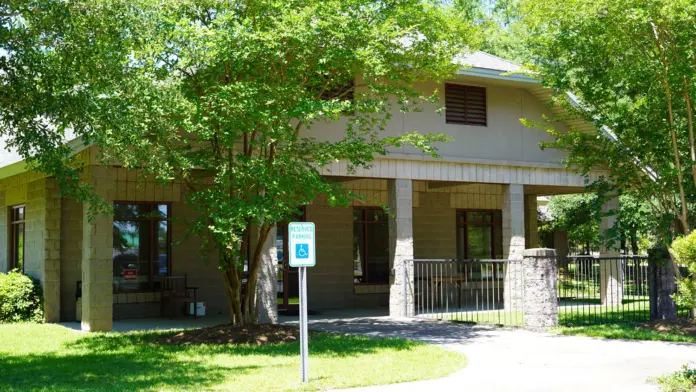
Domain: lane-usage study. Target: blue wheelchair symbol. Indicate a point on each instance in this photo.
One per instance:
(302, 251)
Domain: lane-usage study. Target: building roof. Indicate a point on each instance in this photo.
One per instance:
(485, 60)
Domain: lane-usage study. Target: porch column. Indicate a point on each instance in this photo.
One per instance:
(513, 245)
(610, 270)
(44, 198)
(531, 222)
(513, 221)
(401, 301)
(97, 254)
(267, 289)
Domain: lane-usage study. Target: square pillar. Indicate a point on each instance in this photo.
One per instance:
(513, 245)
(97, 257)
(513, 221)
(531, 222)
(610, 264)
(401, 302)
(540, 295)
(267, 286)
(50, 273)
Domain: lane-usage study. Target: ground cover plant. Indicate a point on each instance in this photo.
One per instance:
(683, 380)
(37, 357)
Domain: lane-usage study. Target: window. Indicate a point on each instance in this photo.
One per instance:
(370, 246)
(142, 241)
(465, 105)
(17, 237)
(480, 236)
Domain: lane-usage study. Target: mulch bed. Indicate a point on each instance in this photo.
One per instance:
(231, 334)
(681, 326)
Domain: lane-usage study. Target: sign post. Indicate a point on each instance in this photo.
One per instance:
(301, 243)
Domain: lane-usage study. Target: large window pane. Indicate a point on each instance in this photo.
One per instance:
(378, 257)
(161, 267)
(479, 236)
(358, 252)
(141, 242)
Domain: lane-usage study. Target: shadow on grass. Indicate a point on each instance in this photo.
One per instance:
(131, 361)
(140, 370)
(629, 331)
(320, 343)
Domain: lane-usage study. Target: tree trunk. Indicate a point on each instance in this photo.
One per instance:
(634, 244)
(242, 298)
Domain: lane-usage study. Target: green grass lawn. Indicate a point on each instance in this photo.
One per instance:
(49, 357)
(625, 331)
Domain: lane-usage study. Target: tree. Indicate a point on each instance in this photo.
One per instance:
(218, 95)
(578, 215)
(631, 64)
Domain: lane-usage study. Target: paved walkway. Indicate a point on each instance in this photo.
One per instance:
(520, 361)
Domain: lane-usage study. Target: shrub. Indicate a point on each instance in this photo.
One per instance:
(684, 250)
(21, 298)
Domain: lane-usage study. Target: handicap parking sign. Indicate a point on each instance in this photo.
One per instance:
(301, 244)
(302, 251)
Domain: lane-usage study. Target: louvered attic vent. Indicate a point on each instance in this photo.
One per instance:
(465, 104)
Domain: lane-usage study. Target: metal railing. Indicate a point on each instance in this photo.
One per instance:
(599, 290)
(473, 291)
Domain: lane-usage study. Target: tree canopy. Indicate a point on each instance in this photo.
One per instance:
(631, 64)
(218, 95)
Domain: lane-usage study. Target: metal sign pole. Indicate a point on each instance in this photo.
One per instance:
(304, 344)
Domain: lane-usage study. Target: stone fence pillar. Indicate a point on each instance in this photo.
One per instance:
(540, 295)
(662, 285)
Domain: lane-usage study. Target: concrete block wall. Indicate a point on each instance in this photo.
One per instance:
(434, 227)
(70, 256)
(330, 283)
(200, 267)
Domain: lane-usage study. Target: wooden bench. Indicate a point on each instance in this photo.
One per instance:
(176, 292)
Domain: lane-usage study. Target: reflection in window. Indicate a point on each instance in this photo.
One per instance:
(141, 255)
(370, 246)
(480, 237)
(17, 237)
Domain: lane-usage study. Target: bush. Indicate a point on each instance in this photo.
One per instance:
(684, 250)
(683, 380)
(21, 298)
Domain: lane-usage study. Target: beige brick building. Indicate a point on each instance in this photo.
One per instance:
(477, 201)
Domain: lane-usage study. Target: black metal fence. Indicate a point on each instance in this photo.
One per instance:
(590, 290)
(598, 290)
(473, 291)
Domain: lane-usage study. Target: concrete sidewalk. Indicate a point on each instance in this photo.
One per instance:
(518, 360)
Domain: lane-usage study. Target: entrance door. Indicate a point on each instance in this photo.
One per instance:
(288, 285)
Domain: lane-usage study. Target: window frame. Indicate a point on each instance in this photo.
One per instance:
(168, 219)
(366, 223)
(13, 262)
(466, 121)
(494, 225)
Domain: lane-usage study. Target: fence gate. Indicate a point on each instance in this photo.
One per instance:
(603, 290)
(472, 291)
